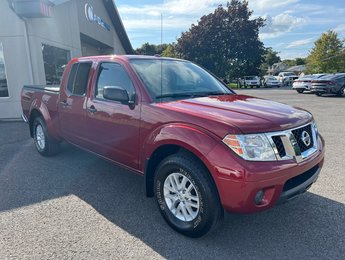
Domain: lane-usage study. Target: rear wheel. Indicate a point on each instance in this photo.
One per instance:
(319, 94)
(45, 144)
(186, 195)
(300, 90)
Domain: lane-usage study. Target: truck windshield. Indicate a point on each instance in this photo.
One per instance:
(174, 79)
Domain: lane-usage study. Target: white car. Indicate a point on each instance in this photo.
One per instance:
(250, 81)
(304, 83)
(270, 81)
(286, 78)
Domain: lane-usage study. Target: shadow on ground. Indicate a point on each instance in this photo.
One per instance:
(311, 226)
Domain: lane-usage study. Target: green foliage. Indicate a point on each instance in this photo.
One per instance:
(151, 49)
(327, 55)
(269, 58)
(225, 42)
(295, 62)
(300, 61)
(170, 51)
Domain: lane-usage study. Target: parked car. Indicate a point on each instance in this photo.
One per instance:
(329, 84)
(286, 78)
(304, 83)
(250, 81)
(199, 146)
(270, 81)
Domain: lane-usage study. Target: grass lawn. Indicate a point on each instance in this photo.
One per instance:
(233, 85)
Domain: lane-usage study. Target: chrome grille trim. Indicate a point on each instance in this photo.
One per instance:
(292, 149)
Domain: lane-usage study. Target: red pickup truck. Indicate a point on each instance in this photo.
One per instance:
(201, 147)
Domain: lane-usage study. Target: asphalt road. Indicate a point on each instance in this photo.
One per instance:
(75, 205)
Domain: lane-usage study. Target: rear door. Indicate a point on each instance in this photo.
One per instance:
(112, 127)
(72, 106)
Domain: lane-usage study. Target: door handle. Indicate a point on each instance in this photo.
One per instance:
(64, 103)
(92, 109)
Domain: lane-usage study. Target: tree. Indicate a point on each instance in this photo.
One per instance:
(170, 51)
(295, 62)
(225, 42)
(289, 62)
(300, 61)
(269, 58)
(327, 55)
(151, 49)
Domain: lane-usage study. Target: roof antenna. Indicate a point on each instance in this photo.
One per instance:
(161, 59)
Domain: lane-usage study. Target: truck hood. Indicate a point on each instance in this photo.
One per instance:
(240, 113)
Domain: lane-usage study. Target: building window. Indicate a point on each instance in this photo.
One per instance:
(3, 78)
(55, 60)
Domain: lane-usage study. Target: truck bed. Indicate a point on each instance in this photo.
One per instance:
(40, 96)
(49, 88)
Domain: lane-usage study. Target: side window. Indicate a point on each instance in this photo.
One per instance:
(81, 78)
(78, 78)
(72, 77)
(113, 74)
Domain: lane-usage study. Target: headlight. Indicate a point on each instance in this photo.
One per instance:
(315, 129)
(255, 147)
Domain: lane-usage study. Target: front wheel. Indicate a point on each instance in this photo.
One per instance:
(319, 94)
(341, 92)
(186, 195)
(45, 144)
(300, 91)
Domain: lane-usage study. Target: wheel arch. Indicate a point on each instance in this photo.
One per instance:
(33, 115)
(159, 155)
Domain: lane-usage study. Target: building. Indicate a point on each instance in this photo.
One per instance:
(38, 37)
(298, 70)
(276, 68)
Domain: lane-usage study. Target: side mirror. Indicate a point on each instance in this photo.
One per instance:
(116, 93)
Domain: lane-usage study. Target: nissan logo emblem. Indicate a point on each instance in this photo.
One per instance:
(89, 13)
(305, 137)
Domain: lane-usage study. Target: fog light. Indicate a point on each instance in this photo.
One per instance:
(259, 197)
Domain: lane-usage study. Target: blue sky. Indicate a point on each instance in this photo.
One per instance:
(292, 25)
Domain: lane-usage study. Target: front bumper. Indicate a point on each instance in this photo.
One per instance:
(239, 181)
(325, 89)
(300, 86)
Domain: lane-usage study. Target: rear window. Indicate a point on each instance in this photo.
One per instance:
(78, 78)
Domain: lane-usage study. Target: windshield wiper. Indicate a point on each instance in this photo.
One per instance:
(191, 95)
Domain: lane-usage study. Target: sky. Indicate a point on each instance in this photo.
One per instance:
(292, 26)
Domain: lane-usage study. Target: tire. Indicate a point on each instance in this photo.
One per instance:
(341, 92)
(204, 210)
(300, 90)
(44, 143)
(319, 94)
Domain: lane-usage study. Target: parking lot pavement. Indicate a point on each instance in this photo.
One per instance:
(75, 205)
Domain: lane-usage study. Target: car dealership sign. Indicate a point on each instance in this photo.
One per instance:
(93, 18)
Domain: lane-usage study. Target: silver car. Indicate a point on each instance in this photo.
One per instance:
(270, 81)
(329, 84)
(304, 83)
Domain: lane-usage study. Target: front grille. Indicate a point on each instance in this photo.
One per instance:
(280, 146)
(299, 137)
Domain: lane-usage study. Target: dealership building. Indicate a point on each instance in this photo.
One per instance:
(38, 38)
